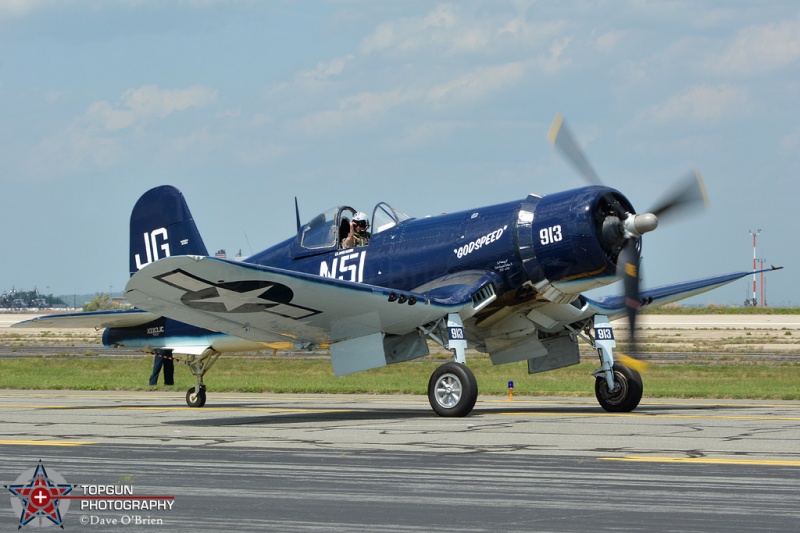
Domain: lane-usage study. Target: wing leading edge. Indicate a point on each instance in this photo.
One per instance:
(120, 318)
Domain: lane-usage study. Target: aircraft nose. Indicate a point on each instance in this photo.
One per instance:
(638, 225)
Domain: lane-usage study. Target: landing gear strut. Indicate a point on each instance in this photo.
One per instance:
(627, 394)
(618, 388)
(199, 365)
(452, 389)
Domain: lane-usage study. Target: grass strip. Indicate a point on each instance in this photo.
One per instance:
(298, 375)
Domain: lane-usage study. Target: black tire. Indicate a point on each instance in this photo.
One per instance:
(452, 390)
(196, 400)
(627, 397)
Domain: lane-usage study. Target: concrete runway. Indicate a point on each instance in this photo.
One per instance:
(262, 462)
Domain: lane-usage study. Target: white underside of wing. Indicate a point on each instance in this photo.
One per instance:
(267, 305)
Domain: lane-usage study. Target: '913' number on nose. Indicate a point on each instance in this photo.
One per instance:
(550, 235)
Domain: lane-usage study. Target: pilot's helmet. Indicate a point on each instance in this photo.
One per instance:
(361, 219)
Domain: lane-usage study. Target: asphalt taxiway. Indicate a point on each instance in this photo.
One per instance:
(263, 462)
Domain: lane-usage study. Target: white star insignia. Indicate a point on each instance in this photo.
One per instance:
(233, 300)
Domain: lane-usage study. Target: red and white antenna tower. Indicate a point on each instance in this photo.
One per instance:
(754, 233)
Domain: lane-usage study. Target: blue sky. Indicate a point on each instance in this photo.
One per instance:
(432, 107)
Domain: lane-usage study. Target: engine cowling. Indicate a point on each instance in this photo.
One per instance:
(570, 241)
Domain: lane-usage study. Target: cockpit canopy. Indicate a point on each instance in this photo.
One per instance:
(325, 231)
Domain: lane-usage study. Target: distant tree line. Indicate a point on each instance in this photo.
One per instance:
(102, 302)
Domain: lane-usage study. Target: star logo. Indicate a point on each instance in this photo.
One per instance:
(37, 496)
(246, 296)
(234, 300)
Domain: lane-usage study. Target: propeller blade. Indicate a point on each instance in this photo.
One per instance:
(629, 267)
(633, 364)
(690, 192)
(561, 137)
(629, 259)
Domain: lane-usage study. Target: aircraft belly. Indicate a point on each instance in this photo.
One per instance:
(542, 354)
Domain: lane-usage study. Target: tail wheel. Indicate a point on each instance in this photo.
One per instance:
(194, 399)
(627, 395)
(452, 390)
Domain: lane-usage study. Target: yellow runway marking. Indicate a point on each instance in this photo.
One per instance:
(522, 401)
(648, 415)
(44, 442)
(248, 409)
(703, 460)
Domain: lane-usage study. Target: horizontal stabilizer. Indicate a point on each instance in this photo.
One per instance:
(120, 318)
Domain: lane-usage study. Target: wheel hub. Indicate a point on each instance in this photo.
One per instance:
(619, 394)
(448, 390)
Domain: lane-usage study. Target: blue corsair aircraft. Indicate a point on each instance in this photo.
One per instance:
(506, 280)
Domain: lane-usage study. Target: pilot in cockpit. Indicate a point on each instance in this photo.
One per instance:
(358, 236)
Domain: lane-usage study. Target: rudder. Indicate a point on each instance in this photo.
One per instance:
(162, 226)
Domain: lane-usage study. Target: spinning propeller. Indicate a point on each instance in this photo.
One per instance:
(621, 229)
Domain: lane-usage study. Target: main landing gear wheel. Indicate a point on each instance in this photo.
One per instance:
(628, 393)
(196, 399)
(452, 390)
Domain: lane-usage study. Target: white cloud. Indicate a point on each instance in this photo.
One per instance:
(201, 138)
(425, 133)
(701, 103)
(521, 34)
(139, 106)
(72, 151)
(441, 28)
(372, 106)
(361, 108)
(21, 8)
(314, 81)
(93, 140)
(761, 49)
(555, 60)
(476, 84)
(448, 29)
(608, 41)
(324, 71)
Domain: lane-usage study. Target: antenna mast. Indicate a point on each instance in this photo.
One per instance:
(754, 301)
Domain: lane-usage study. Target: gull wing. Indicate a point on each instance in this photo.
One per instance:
(614, 306)
(266, 304)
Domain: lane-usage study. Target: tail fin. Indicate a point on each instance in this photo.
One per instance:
(162, 226)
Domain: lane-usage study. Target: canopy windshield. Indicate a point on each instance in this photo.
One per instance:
(385, 216)
(327, 230)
